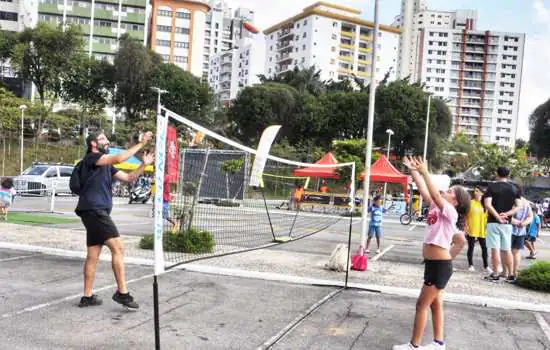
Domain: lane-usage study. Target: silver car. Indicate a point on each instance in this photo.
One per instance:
(41, 178)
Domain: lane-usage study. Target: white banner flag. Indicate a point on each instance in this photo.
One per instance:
(268, 136)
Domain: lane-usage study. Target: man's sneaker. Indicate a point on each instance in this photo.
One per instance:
(126, 300)
(492, 277)
(433, 346)
(90, 301)
(407, 346)
(472, 269)
(489, 270)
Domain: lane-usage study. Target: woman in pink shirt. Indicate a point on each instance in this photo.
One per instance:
(448, 209)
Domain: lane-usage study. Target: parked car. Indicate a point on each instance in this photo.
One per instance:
(40, 178)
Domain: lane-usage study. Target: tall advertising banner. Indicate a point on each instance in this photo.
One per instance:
(160, 162)
(172, 159)
(268, 136)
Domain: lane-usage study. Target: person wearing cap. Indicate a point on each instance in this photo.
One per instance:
(502, 202)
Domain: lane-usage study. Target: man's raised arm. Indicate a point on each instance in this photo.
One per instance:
(124, 156)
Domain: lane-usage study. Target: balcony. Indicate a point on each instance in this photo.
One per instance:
(50, 8)
(285, 45)
(135, 17)
(346, 58)
(346, 34)
(283, 68)
(286, 34)
(284, 57)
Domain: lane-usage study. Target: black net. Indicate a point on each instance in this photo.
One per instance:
(210, 209)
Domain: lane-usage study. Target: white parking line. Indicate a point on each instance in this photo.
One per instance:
(383, 252)
(413, 227)
(19, 257)
(542, 323)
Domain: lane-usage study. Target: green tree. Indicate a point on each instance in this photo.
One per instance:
(521, 143)
(8, 40)
(187, 95)
(491, 156)
(134, 68)
(303, 80)
(10, 115)
(539, 125)
(47, 56)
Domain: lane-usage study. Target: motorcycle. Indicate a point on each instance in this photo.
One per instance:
(140, 194)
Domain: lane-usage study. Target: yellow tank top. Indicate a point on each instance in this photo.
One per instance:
(476, 220)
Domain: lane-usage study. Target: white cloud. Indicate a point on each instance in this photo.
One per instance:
(536, 78)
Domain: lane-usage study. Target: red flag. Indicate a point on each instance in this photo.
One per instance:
(172, 159)
(250, 28)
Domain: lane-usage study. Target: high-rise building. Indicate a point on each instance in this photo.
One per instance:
(178, 32)
(223, 29)
(332, 38)
(103, 22)
(478, 72)
(233, 70)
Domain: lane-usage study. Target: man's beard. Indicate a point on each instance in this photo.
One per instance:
(102, 148)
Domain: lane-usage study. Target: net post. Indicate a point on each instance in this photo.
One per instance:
(160, 159)
(267, 211)
(351, 211)
(52, 201)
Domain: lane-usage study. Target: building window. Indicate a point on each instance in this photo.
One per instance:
(335, 24)
(163, 42)
(163, 28)
(184, 15)
(305, 35)
(305, 22)
(298, 25)
(181, 45)
(165, 13)
(181, 30)
(334, 37)
(180, 59)
(165, 58)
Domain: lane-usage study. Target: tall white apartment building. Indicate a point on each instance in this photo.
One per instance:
(477, 72)
(233, 70)
(223, 29)
(334, 39)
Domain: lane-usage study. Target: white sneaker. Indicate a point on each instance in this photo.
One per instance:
(433, 346)
(367, 251)
(489, 270)
(407, 346)
(472, 269)
(377, 251)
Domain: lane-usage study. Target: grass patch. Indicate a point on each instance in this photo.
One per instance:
(192, 241)
(536, 276)
(38, 219)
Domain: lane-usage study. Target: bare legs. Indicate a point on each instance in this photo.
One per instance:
(430, 298)
(117, 262)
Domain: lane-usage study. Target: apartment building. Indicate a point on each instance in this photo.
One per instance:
(103, 22)
(478, 72)
(333, 38)
(178, 32)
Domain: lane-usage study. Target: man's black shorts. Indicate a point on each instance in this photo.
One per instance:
(99, 227)
(518, 242)
(437, 272)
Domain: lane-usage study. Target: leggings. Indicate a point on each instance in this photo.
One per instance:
(471, 244)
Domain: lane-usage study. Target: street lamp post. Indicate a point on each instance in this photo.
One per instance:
(426, 138)
(22, 108)
(370, 128)
(390, 134)
(159, 93)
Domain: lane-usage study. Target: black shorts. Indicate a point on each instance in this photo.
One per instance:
(518, 242)
(99, 227)
(530, 238)
(437, 272)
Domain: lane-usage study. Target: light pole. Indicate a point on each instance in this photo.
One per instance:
(426, 139)
(390, 134)
(370, 129)
(22, 108)
(159, 92)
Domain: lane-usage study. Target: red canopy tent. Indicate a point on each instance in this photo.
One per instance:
(383, 171)
(328, 173)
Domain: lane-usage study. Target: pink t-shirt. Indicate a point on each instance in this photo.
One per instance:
(441, 225)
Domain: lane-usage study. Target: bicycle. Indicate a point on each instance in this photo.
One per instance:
(407, 218)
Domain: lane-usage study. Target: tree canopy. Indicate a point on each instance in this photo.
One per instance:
(539, 125)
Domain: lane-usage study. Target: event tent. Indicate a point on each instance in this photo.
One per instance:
(327, 173)
(383, 171)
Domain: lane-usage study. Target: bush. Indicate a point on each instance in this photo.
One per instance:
(536, 276)
(192, 241)
(356, 213)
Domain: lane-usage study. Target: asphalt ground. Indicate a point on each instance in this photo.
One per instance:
(39, 294)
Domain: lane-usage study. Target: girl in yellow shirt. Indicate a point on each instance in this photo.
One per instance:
(476, 222)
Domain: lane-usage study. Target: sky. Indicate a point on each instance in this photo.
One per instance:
(531, 17)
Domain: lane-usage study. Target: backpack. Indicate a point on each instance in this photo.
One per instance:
(75, 183)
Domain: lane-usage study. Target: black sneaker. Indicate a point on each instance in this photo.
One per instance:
(90, 301)
(492, 277)
(512, 280)
(126, 300)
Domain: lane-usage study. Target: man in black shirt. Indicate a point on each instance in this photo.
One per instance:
(502, 201)
(94, 208)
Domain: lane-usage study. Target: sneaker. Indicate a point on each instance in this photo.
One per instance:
(433, 346)
(126, 300)
(511, 279)
(407, 346)
(367, 251)
(90, 301)
(377, 251)
(492, 278)
(489, 270)
(472, 269)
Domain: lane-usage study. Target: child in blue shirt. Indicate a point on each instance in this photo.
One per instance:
(532, 234)
(375, 226)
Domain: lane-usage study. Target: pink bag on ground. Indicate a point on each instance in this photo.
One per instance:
(359, 261)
